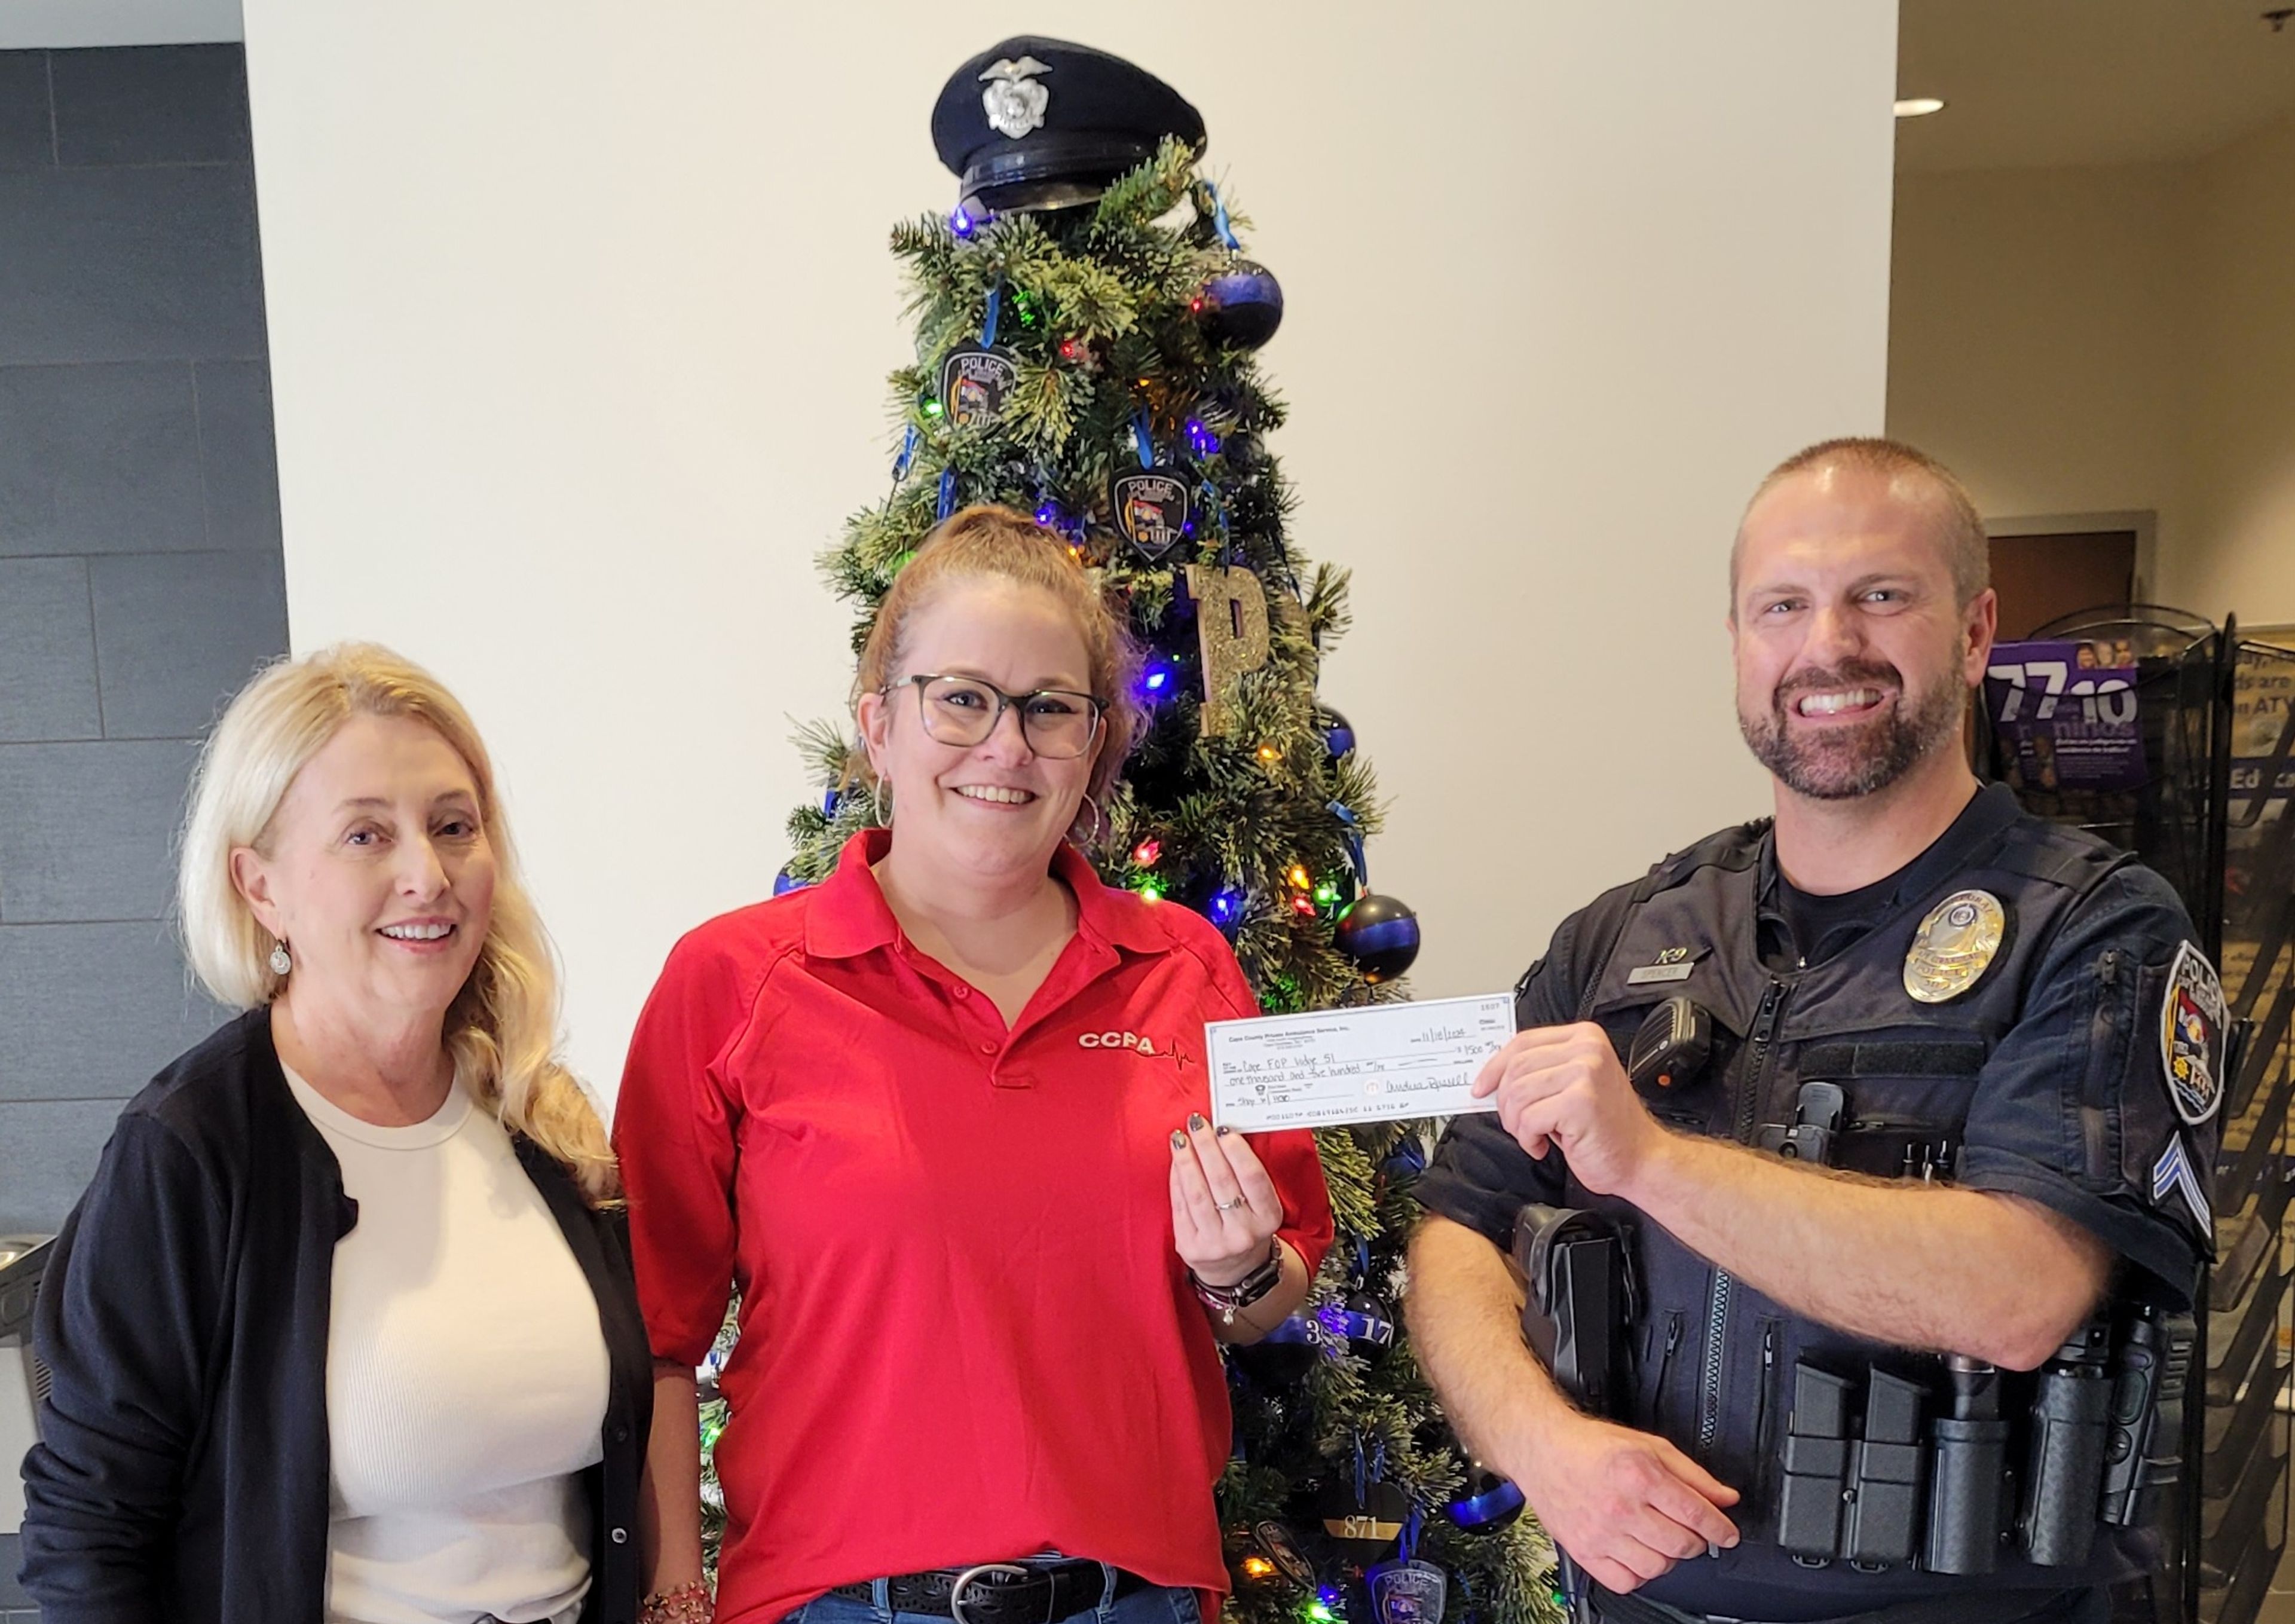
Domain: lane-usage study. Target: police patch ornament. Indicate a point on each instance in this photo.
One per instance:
(975, 381)
(1150, 507)
(1954, 946)
(2191, 1026)
(1014, 101)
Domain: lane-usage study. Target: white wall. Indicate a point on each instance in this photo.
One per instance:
(2242, 441)
(580, 314)
(2039, 339)
(2088, 340)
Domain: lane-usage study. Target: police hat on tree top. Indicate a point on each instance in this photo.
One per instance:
(1038, 123)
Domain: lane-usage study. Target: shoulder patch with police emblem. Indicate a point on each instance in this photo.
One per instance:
(2192, 1024)
(1954, 946)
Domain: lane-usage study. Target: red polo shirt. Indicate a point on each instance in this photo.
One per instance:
(965, 1334)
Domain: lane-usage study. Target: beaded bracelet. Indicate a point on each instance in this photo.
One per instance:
(686, 1603)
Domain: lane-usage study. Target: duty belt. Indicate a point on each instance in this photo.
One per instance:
(1978, 1607)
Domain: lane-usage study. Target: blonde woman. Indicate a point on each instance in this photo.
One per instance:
(345, 1327)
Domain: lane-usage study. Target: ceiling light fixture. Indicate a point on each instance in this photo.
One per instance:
(1919, 107)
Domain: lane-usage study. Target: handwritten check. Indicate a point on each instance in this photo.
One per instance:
(1375, 1064)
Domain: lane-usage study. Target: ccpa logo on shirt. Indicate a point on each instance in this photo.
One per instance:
(1117, 1039)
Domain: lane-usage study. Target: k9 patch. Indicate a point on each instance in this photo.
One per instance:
(2191, 1026)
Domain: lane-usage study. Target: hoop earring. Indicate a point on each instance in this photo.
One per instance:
(279, 961)
(1098, 825)
(877, 805)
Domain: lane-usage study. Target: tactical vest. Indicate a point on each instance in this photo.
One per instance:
(1711, 1359)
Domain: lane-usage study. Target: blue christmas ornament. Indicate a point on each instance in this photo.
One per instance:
(1487, 1502)
(784, 882)
(1242, 305)
(1380, 935)
(1338, 733)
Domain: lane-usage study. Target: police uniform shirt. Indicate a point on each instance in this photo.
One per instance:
(2045, 1078)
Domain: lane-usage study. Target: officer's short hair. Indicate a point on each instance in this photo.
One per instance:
(1960, 528)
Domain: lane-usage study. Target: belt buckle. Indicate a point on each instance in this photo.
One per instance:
(956, 1591)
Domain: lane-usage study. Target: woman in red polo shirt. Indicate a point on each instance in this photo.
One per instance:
(940, 1119)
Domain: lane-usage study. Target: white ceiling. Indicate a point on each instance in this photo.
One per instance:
(56, 24)
(2042, 83)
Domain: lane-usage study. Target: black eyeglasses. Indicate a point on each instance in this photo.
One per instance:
(1058, 724)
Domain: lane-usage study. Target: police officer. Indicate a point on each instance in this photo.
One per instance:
(1990, 1054)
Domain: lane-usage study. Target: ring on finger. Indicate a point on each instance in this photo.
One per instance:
(1229, 1206)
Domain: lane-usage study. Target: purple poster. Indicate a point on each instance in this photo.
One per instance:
(2064, 714)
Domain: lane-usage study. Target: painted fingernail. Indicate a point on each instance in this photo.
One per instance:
(1196, 1123)
(1178, 1140)
(1224, 1130)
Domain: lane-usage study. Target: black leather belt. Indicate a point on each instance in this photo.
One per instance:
(999, 1592)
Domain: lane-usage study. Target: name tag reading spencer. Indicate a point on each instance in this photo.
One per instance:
(1381, 1062)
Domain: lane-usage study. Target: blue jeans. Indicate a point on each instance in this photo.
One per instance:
(1153, 1605)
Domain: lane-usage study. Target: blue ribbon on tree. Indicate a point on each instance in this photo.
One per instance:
(1219, 226)
(1141, 441)
(947, 492)
(1354, 844)
(902, 463)
(995, 304)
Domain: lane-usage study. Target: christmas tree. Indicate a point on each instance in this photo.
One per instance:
(1094, 364)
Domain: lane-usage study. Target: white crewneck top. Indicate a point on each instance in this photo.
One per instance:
(466, 1380)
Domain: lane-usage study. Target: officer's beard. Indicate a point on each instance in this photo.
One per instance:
(1842, 763)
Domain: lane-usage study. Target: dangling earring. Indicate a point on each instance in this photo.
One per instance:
(1098, 822)
(877, 805)
(280, 962)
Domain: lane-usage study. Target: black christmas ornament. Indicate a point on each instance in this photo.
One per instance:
(1486, 1502)
(1368, 1326)
(1282, 1357)
(1242, 304)
(1038, 122)
(1338, 732)
(1365, 1527)
(1380, 935)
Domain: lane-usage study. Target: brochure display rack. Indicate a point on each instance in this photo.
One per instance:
(2169, 736)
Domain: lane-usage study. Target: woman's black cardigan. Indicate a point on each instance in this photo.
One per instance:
(182, 1471)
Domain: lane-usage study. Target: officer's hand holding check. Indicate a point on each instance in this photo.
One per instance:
(1564, 1086)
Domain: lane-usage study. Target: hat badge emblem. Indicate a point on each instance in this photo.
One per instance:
(1014, 101)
